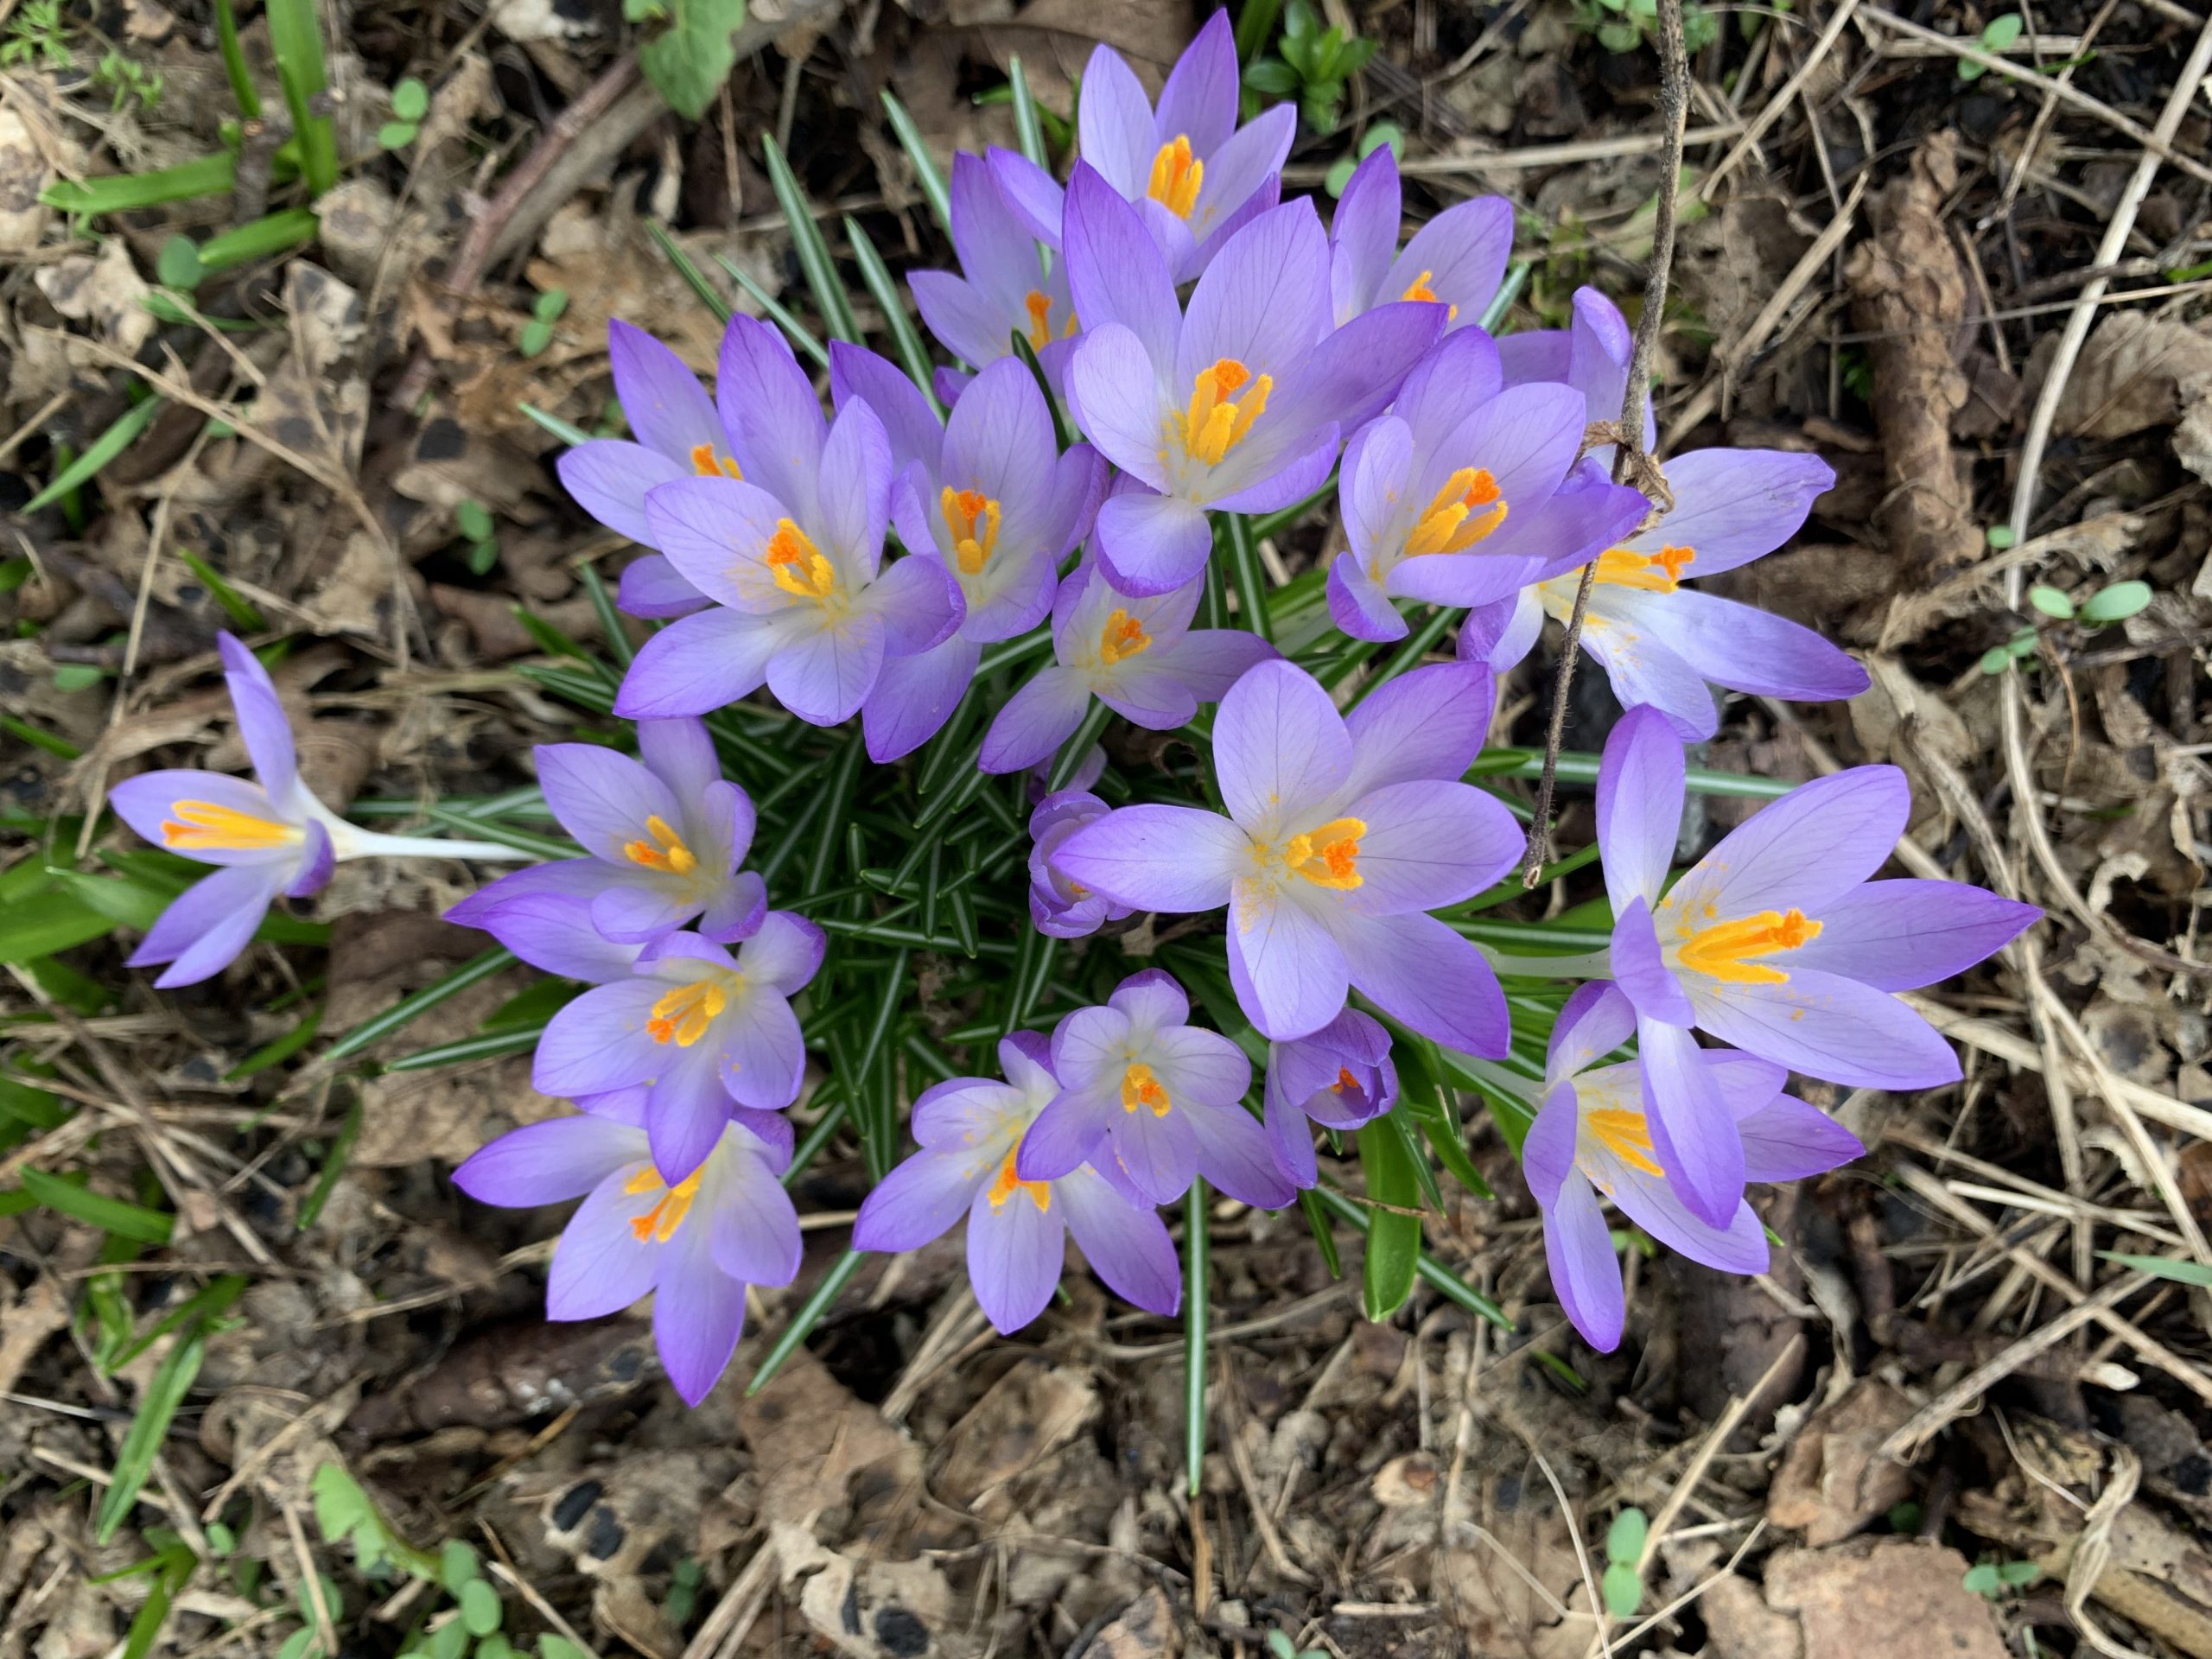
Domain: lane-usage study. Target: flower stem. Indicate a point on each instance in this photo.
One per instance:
(1197, 1275)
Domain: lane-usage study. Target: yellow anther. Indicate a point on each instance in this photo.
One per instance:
(1725, 950)
(1122, 638)
(1455, 520)
(973, 518)
(1009, 1183)
(1140, 1087)
(684, 1015)
(1176, 176)
(659, 1223)
(1419, 288)
(707, 464)
(1214, 424)
(798, 566)
(1627, 1135)
(1329, 856)
(204, 827)
(1652, 573)
(670, 854)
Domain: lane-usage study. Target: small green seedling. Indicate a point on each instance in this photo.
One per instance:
(537, 332)
(1994, 1579)
(410, 102)
(1623, 1584)
(37, 38)
(1315, 63)
(1624, 25)
(482, 535)
(127, 80)
(1381, 133)
(178, 264)
(1997, 34)
(1282, 1647)
(2000, 538)
(2100, 610)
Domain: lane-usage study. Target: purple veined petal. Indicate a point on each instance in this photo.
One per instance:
(823, 673)
(763, 1055)
(1090, 1052)
(1127, 1247)
(1372, 486)
(1235, 1154)
(1290, 1134)
(1645, 673)
(1899, 936)
(1454, 379)
(1263, 304)
(153, 801)
(1064, 1135)
(736, 909)
(1358, 606)
(681, 754)
(1805, 851)
(915, 695)
(999, 440)
(1160, 1155)
(1598, 344)
(723, 819)
(318, 859)
(262, 722)
(1012, 600)
(1116, 131)
(1149, 693)
(1033, 198)
(1152, 1001)
(992, 228)
(636, 913)
(910, 425)
(1548, 1153)
(918, 1201)
(1280, 748)
(1536, 354)
(559, 1159)
(1641, 971)
(1734, 505)
(1525, 438)
(1275, 471)
(1363, 234)
(1423, 974)
(1116, 272)
(1242, 183)
(1579, 1250)
(1026, 1058)
(1429, 723)
(1692, 1133)
(1743, 647)
(1037, 719)
(650, 587)
(1429, 843)
(1587, 516)
(626, 1106)
(207, 924)
(599, 1042)
(609, 478)
(1286, 963)
(767, 1137)
(1194, 1065)
(601, 1265)
(962, 317)
(717, 533)
(548, 923)
(1787, 1139)
(1829, 1027)
(1171, 858)
(1460, 256)
(686, 1110)
(1356, 370)
(1739, 1246)
(961, 1114)
(1210, 661)
(1150, 544)
(1640, 789)
(1113, 392)
(1597, 1019)
(1746, 1082)
(916, 602)
(1015, 1249)
(1078, 486)
(856, 490)
(754, 1230)
(769, 409)
(1468, 580)
(1199, 101)
(604, 800)
(1500, 635)
(785, 954)
(698, 1315)
(662, 399)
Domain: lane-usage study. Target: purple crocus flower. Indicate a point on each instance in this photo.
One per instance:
(1775, 941)
(1003, 288)
(1139, 656)
(971, 1131)
(1063, 909)
(990, 495)
(1191, 174)
(267, 837)
(1340, 1078)
(1593, 1138)
(665, 832)
(792, 554)
(1342, 832)
(1457, 260)
(1157, 1099)
(1466, 491)
(693, 1246)
(1236, 405)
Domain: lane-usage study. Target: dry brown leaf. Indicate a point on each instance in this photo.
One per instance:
(1830, 1483)
(1025, 1416)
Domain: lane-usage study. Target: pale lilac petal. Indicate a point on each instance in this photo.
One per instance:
(207, 924)
(917, 1202)
(1358, 606)
(652, 587)
(1459, 256)
(698, 1315)
(1150, 543)
(823, 675)
(1745, 648)
(1645, 673)
(1353, 373)
(1788, 1140)
(1423, 974)
(855, 500)
(1160, 1155)
(1194, 1064)
(910, 425)
(1462, 579)
(609, 478)
(1429, 723)
(1264, 303)
(1243, 183)
(785, 954)
(1064, 1135)
(600, 1266)
(956, 1116)
(1235, 1155)
(764, 1055)
(1280, 747)
(1114, 394)
(1739, 1246)
(1030, 196)
(603, 798)
(318, 859)
(1276, 469)
(1036, 721)
(699, 663)
(1090, 1050)
(686, 1110)
(543, 916)
(599, 1042)
(1641, 970)
(1830, 1027)
(1692, 1133)
(549, 1162)
(915, 695)
(629, 913)
(1597, 1019)
(998, 439)
(263, 725)
(1500, 635)
(1640, 789)
(1899, 936)
(149, 800)
(1452, 381)
(754, 1231)
(1372, 485)
(1116, 272)
(961, 315)
(1152, 999)
(1015, 1252)
(1289, 968)
(1578, 1250)
(1290, 1134)
(662, 400)
(1363, 234)
(1806, 851)
(736, 909)
(1428, 843)
(1199, 99)
(1210, 661)
(917, 602)
(1547, 1151)
(1732, 506)
(1537, 354)
(1114, 129)
(1157, 857)
(769, 409)
(682, 755)
(1126, 1246)
(1589, 514)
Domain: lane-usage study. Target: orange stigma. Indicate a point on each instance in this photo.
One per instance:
(670, 854)
(707, 464)
(204, 827)
(684, 1015)
(1419, 288)
(1725, 950)
(1213, 424)
(1627, 1135)
(1329, 856)
(1650, 573)
(973, 518)
(1140, 1087)
(1009, 1183)
(1039, 305)
(796, 565)
(659, 1223)
(1123, 637)
(1344, 1080)
(1454, 521)
(1176, 176)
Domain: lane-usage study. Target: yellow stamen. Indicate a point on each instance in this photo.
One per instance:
(1724, 949)
(681, 1017)
(1123, 637)
(797, 565)
(973, 518)
(1008, 1184)
(1452, 523)
(1176, 175)
(1329, 856)
(204, 827)
(1140, 1087)
(1420, 289)
(671, 855)
(707, 464)
(1213, 424)
(1039, 305)
(1627, 1135)
(659, 1223)
(1651, 573)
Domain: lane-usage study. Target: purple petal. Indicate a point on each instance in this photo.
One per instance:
(1126, 1246)
(1423, 974)
(1830, 1027)
(1429, 843)
(917, 1202)
(1548, 1153)
(768, 406)
(1113, 392)
(662, 399)
(1743, 647)
(1015, 1252)
(1641, 970)
(1578, 1250)
(609, 478)
(917, 601)
(636, 915)
(909, 424)
(764, 1055)
(754, 1232)
(1354, 372)
(1732, 506)
(1645, 673)
(1500, 635)
(1200, 100)
(682, 755)
(262, 722)
(150, 800)
(1116, 273)
(735, 912)
(1597, 1019)
(651, 586)
(823, 674)
(1787, 1140)
(318, 859)
(1242, 183)
(1459, 256)
(698, 1315)
(1264, 303)
(600, 1266)
(1371, 489)
(1160, 1155)
(207, 924)
(549, 1162)
(1358, 606)
(1157, 857)
(1063, 1136)
(1807, 850)
(1037, 719)
(1280, 747)
(961, 315)
(599, 1042)
(1150, 543)
(603, 798)
(1899, 936)
(1429, 723)
(1194, 1065)
(1692, 1133)
(699, 663)
(785, 954)
(686, 1110)
(1288, 966)
(1739, 1246)
(1640, 788)
(548, 923)
(854, 502)
(915, 695)
(1210, 661)
(1363, 234)
(1235, 1154)
(1002, 204)
(1290, 1134)
(1152, 1001)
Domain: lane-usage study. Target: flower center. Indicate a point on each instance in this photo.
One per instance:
(1176, 176)
(1651, 573)
(659, 1223)
(669, 854)
(1215, 422)
(707, 464)
(1419, 288)
(1140, 1087)
(973, 518)
(1627, 1135)
(1008, 1184)
(1725, 950)
(1123, 636)
(1455, 520)
(682, 1015)
(203, 826)
(798, 566)
(1329, 856)
(1344, 1080)
(1039, 305)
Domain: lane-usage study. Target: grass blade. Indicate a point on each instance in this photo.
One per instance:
(1251, 579)
(259, 238)
(912, 354)
(809, 1315)
(813, 252)
(800, 335)
(235, 605)
(141, 1442)
(281, 1050)
(688, 269)
(115, 1216)
(474, 971)
(553, 423)
(295, 41)
(226, 39)
(1198, 1282)
(1438, 1277)
(1029, 132)
(123, 193)
(334, 1166)
(103, 449)
(926, 173)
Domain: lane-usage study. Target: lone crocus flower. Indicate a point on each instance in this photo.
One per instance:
(267, 837)
(1192, 174)
(991, 496)
(1002, 289)
(1063, 909)
(1340, 1078)
(665, 832)
(1457, 260)
(1144, 1091)
(1235, 405)
(971, 1131)
(693, 1246)
(1775, 941)
(1466, 491)
(1341, 834)
(792, 554)
(1139, 656)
